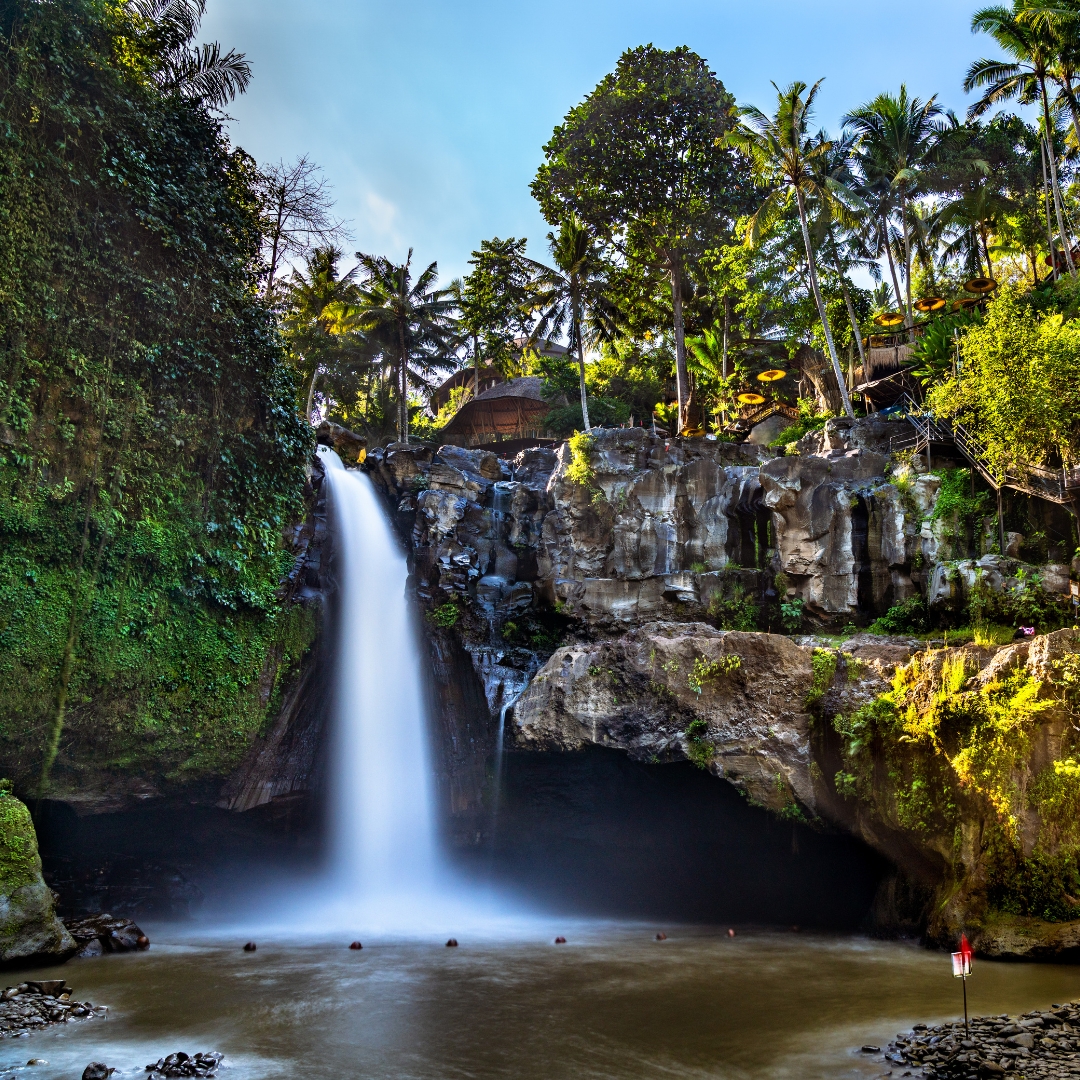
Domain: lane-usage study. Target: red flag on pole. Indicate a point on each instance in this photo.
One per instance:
(965, 951)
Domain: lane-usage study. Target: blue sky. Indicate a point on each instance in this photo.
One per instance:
(429, 118)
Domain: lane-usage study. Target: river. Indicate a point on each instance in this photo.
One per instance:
(610, 1003)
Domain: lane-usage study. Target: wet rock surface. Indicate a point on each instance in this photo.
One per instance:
(181, 1064)
(1035, 1044)
(32, 1006)
(98, 934)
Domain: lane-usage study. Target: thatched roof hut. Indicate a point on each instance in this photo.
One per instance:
(509, 410)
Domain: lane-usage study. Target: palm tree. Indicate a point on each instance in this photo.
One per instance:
(834, 164)
(970, 218)
(572, 296)
(1034, 50)
(318, 306)
(164, 29)
(894, 138)
(782, 156)
(413, 322)
(707, 360)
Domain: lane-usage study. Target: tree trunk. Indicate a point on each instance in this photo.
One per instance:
(1065, 243)
(403, 404)
(1046, 204)
(850, 308)
(727, 324)
(682, 382)
(476, 367)
(311, 394)
(907, 261)
(821, 307)
(892, 265)
(986, 251)
(575, 331)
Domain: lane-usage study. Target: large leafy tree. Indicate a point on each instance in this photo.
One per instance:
(573, 296)
(412, 321)
(641, 162)
(1018, 388)
(784, 158)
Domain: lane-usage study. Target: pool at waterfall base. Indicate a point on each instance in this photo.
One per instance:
(612, 1002)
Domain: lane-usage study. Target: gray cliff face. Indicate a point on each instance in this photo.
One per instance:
(733, 702)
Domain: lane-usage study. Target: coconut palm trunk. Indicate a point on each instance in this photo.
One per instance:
(821, 306)
(892, 263)
(1051, 157)
(311, 394)
(907, 262)
(403, 407)
(577, 337)
(682, 377)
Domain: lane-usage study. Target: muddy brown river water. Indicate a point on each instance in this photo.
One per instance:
(610, 1003)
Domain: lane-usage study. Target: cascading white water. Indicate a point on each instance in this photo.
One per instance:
(383, 848)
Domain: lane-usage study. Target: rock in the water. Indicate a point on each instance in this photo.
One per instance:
(97, 1070)
(30, 932)
(97, 934)
(181, 1064)
(34, 1005)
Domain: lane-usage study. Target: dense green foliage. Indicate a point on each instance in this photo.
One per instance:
(1018, 388)
(150, 451)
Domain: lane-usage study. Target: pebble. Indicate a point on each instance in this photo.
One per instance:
(1043, 1045)
(356, 945)
(97, 1070)
(661, 936)
(250, 947)
(181, 1064)
(560, 940)
(452, 943)
(35, 1005)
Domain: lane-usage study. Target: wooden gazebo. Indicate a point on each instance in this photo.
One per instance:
(507, 411)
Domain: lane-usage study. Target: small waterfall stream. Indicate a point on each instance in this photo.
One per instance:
(383, 846)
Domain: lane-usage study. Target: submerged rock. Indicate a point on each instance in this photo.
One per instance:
(30, 932)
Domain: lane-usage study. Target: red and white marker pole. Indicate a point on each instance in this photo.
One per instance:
(961, 969)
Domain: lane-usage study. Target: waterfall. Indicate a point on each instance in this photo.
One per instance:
(382, 829)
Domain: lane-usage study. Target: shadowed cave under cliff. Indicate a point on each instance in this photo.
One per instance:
(592, 832)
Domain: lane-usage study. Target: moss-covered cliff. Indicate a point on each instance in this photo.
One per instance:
(971, 758)
(150, 452)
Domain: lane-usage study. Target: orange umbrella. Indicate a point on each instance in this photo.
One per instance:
(980, 285)
(889, 318)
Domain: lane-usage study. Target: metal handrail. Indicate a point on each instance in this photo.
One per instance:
(1035, 480)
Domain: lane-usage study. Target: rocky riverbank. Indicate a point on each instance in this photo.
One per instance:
(31, 1006)
(1036, 1044)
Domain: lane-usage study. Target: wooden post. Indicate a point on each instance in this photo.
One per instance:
(1001, 523)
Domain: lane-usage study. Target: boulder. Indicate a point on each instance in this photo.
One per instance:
(30, 932)
(97, 934)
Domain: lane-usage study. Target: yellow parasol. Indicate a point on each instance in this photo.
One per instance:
(772, 376)
(980, 285)
(889, 318)
(929, 304)
(751, 399)
(966, 304)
